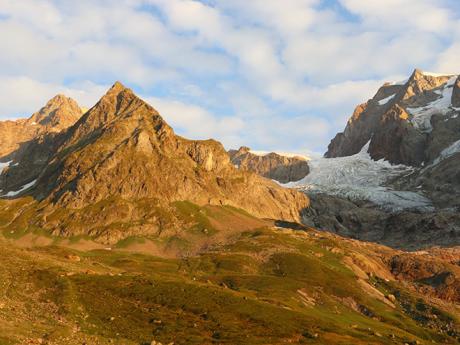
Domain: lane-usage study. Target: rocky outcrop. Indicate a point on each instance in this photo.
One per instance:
(59, 113)
(434, 276)
(456, 93)
(440, 181)
(396, 140)
(399, 120)
(365, 221)
(271, 165)
(122, 153)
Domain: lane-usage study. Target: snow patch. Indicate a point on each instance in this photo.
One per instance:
(437, 75)
(23, 188)
(421, 116)
(4, 165)
(386, 100)
(447, 152)
(359, 177)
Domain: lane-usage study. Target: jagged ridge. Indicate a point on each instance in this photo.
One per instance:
(122, 150)
(403, 122)
(271, 165)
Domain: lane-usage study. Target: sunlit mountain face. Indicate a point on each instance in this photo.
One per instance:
(263, 172)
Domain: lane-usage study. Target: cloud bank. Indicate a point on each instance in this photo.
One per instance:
(270, 74)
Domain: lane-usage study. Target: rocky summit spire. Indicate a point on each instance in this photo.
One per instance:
(58, 113)
(416, 74)
(420, 82)
(116, 108)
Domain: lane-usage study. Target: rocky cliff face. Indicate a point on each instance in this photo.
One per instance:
(411, 199)
(271, 165)
(59, 113)
(401, 121)
(416, 123)
(363, 220)
(122, 153)
(456, 94)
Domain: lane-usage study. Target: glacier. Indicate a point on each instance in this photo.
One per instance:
(359, 177)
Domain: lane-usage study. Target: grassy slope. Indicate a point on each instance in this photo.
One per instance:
(264, 286)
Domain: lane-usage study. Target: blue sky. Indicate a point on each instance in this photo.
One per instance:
(270, 74)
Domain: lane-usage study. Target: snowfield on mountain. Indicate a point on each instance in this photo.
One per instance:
(359, 177)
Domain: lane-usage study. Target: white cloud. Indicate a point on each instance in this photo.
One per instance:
(259, 72)
(22, 96)
(419, 15)
(195, 122)
(448, 60)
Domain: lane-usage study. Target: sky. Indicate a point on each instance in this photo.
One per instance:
(280, 75)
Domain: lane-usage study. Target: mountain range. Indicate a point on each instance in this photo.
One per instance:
(116, 229)
(121, 153)
(393, 175)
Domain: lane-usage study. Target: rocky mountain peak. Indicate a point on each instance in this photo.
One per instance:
(59, 99)
(282, 168)
(117, 94)
(417, 74)
(58, 113)
(420, 82)
(120, 111)
(408, 123)
(244, 149)
(117, 87)
(122, 150)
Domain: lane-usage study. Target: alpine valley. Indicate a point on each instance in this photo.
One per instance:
(114, 229)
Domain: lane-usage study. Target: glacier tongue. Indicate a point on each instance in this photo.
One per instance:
(358, 177)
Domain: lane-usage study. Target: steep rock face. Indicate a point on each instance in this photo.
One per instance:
(410, 230)
(399, 120)
(122, 150)
(59, 113)
(349, 142)
(456, 93)
(440, 181)
(446, 131)
(271, 165)
(396, 140)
